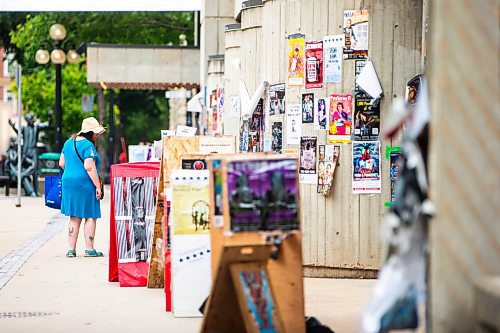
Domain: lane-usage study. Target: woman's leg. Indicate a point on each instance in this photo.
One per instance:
(73, 228)
(89, 232)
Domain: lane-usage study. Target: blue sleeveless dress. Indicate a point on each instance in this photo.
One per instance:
(78, 191)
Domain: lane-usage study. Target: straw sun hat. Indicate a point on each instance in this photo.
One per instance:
(91, 124)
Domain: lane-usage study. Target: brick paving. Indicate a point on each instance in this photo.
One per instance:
(12, 262)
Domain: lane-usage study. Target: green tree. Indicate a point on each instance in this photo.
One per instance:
(144, 113)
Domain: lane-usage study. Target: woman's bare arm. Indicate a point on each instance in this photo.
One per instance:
(62, 161)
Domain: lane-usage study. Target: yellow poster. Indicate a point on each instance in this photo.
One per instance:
(190, 202)
(296, 60)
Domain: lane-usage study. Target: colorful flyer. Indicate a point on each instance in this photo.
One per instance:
(277, 99)
(321, 168)
(254, 142)
(257, 120)
(262, 194)
(334, 46)
(366, 118)
(307, 108)
(244, 135)
(366, 167)
(307, 171)
(190, 198)
(293, 124)
(277, 132)
(259, 300)
(332, 154)
(356, 34)
(321, 106)
(314, 64)
(340, 118)
(395, 158)
(413, 87)
(296, 60)
(217, 185)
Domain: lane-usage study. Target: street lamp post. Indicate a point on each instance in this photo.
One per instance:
(57, 56)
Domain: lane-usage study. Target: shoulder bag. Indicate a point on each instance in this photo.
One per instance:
(101, 183)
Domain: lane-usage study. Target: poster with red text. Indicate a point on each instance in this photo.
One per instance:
(314, 65)
(340, 118)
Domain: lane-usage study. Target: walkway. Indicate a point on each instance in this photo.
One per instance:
(51, 293)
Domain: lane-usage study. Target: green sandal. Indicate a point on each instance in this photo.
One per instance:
(93, 253)
(71, 254)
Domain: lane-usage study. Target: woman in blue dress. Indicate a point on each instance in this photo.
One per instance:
(81, 189)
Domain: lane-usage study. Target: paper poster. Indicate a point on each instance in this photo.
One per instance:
(355, 34)
(259, 300)
(217, 181)
(277, 99)
(307, 108)
(413, 87)
(366, 167)
(256, 139)
(185, 130)
(321, 106)
(267, 110)
(334, 46)
(314, 64)
(321, 168)
(222, 145)
(395, 158)
(254, 142)
(135, 203)
(190, 198)
(234, 106)
(358, 66)
(296, 60)
(293, 124)
(262, 194)
(257, 121)
(165, 133)
(277, 132)
(244, 135)
(340, 118)
(215, 111)
(332, 154)
(366, 118)
(368, 80)
(307, 171)
(267, 144)
(138, 153)
(190, 241)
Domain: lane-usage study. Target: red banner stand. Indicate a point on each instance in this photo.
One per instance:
(134, 273)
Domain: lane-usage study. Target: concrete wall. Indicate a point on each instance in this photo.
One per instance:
(341, 232)
(465, 167)
(214, 16)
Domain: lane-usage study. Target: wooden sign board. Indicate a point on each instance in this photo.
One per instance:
(284, 271)
(173, 149)
(221, 315)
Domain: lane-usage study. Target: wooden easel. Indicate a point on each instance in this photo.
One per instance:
(235, 251)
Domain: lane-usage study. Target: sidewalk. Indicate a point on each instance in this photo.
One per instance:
(51, 293)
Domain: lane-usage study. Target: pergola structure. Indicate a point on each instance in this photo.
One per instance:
(141, 67)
